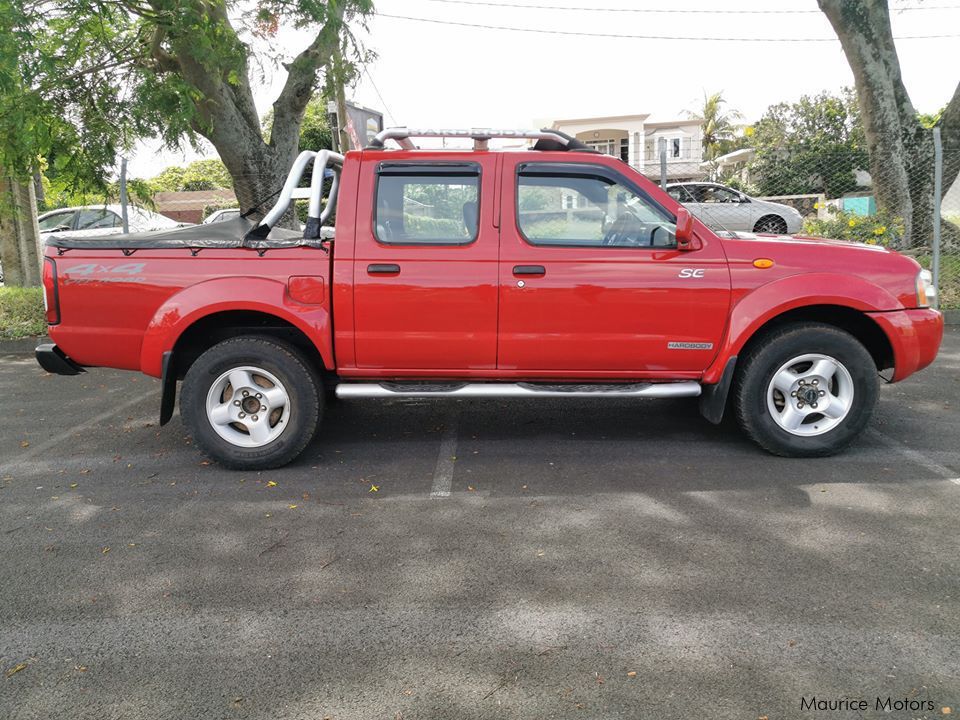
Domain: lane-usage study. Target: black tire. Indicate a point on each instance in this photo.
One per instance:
(771, 224)
(300, 382)
(768, 356)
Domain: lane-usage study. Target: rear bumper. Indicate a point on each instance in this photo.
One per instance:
(915, 336)
(54, 360)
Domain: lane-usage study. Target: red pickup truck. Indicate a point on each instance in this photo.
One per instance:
(543, 273)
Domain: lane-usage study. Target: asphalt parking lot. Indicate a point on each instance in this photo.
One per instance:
(446, 560)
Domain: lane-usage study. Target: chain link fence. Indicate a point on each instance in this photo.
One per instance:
(828, 191)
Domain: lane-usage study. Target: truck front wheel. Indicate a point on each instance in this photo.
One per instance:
(806, 390)
(252, 403)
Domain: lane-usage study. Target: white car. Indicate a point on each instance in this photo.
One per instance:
(723, 208)
(221, 215)
(102, 220)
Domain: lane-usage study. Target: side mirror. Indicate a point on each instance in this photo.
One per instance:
(684, 229)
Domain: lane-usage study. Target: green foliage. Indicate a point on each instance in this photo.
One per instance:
(719, 126)
(878, 229)
(315, 133)
(930, 120)
(198, 175)
(59, 97)
(21, 313)
(60, 193)
(811, 146)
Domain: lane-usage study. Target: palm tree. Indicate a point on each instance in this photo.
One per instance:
(718, 123)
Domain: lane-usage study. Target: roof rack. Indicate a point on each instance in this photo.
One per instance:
(547, 138)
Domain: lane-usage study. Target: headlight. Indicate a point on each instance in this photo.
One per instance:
(926, 292)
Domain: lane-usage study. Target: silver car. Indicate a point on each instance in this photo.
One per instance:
(723, 208)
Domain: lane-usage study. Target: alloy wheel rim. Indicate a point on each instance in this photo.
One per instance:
(810, 394)
(248, 407)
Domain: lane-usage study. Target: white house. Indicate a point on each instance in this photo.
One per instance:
(636, 140)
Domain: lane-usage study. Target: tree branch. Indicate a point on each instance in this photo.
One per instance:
(166, 61)
(289, 106)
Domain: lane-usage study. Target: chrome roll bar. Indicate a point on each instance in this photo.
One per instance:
(290, 192)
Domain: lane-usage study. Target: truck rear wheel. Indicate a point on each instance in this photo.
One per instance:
(252, 403)
(806, 390)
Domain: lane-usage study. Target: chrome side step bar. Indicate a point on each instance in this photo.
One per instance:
(687, 388)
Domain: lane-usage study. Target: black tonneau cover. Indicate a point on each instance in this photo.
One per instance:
(223, 235)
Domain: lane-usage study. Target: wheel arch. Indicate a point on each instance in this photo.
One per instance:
(211, 329)
(202, 313)
(859, 324)
(856, 322)
(769, 215)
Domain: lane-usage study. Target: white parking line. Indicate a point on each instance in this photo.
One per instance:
(917, 457)
(25, 458)
(446, 457)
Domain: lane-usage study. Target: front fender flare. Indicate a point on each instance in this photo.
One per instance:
(207, 298)
(763, 304)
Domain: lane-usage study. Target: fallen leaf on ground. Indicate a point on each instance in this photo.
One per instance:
(271, 483)
(105, 550)
(374, 488)
(632, 673)
(24, 444)
(15, 669)
(291, 507)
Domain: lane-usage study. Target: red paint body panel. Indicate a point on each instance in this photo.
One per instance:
(605, 309)
(458, 311)
(440, 311)
(128, 318)
(915, 336)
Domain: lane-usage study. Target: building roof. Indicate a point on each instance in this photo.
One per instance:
(607, 118)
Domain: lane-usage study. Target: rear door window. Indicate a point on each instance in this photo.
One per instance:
(427, 204)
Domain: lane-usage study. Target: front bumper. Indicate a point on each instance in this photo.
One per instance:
(915, 336)
(54, 360)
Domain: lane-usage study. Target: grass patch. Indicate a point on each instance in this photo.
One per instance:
(21, 313)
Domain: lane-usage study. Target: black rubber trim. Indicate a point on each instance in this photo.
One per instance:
(713, 398)
(54, 360)
(168, 387)
(311, 230)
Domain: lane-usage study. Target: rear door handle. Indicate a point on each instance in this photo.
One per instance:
(383, 269)
(529, 270)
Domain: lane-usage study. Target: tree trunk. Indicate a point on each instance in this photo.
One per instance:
(901, 149)
(228, 116)
(20, 251)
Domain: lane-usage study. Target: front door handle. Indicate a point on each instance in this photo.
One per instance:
(383, 269)
(529, 270)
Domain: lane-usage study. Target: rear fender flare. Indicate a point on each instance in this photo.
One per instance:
(762, 305)
(198, 301)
